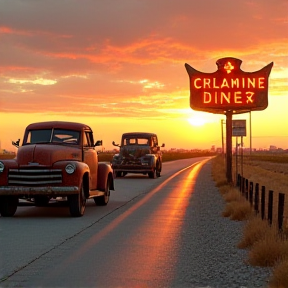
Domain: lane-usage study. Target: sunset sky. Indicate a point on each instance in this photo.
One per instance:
(118, 66)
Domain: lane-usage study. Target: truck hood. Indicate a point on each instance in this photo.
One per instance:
(134, 151)
(46, 154)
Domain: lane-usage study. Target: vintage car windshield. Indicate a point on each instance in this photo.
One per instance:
(53, 135)
(135, 141)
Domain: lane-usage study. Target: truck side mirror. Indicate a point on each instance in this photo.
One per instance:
(98, 143)
(113, 143)
(16, 143)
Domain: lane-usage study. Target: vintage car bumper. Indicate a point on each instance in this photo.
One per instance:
(45, 190)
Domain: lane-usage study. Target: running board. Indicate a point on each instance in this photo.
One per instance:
(95, 193)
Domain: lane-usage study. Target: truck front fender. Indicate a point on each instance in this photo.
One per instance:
(74, 179)
(105, 172)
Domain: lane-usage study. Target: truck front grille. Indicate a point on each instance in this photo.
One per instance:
(34, 177)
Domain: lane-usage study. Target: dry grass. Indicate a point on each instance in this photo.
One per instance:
(218, 171)
(272, 180)
(7, 156)
(280, 275)
(266, 245)
(254, 230)
(232, 194)
(224, 188)
(238, 210)
(267, 251)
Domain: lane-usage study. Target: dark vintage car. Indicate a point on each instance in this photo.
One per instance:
(56, 160)
(139, 153)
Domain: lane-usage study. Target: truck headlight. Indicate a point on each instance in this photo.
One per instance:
(70, 168)
(1, 167)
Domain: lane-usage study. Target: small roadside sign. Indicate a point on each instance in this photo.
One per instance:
(238, 128)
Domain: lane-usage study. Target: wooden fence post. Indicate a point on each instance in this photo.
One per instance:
(243, 185)
(246, 189)
(256, 199)
(263, 202)
(270, 206)
(251, 193)
(281, 210)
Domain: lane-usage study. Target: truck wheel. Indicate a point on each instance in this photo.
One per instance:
(152, 174)
(103, 200)
(8, 205)
(77, 203)
(158, 173)
(158, 169)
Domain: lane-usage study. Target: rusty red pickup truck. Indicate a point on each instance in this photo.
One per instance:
(57, 159)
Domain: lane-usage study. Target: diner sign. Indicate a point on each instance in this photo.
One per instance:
(229, 88)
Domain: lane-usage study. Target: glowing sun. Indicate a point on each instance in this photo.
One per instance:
(196, 121)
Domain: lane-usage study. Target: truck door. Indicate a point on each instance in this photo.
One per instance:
(90, 158)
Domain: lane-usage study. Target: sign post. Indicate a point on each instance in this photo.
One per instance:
(229, 91)
(238, 129)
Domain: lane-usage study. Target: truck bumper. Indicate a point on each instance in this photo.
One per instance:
(47, 191)
(133, 169)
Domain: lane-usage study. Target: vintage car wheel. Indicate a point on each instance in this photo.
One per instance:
(8, 205)
(103, 200)
(41, 200)
(77, 203)
(152, 174)
(158, 171)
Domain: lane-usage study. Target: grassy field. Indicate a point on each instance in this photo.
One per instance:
(6, 156)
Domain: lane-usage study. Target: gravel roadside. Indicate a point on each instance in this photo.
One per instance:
(209, 257)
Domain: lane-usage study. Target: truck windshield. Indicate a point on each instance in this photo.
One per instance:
(53, 135)
(135, 141)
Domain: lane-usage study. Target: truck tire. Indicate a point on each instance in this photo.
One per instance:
(77, 203)
(158, 172)
(152, 174)
(103, 200)
(8, 205)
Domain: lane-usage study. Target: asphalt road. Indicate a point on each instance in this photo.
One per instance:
(164, 232)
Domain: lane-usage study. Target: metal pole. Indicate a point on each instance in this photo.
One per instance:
(236, 159)
(250, 133)
(242, 156)
(222, 133)
(229, 146)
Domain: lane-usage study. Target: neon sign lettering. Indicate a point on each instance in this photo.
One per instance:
(229, 88)
(214, 83)
(228, 98)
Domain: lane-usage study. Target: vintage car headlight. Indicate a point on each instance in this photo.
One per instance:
(70, 168)
(1, 167)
